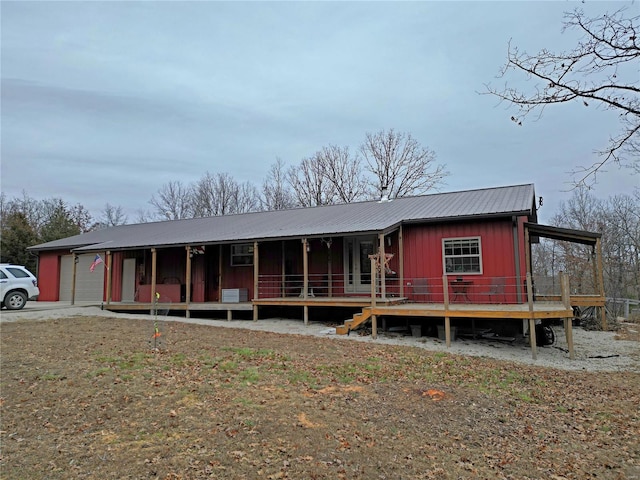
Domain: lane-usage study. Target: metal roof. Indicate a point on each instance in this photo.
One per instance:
(361, 217)
(557, 233)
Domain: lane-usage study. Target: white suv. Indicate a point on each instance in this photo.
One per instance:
(17, 285)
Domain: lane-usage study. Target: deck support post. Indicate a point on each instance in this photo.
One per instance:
(532, 321)
(447, 319)
(447, 331)
(374, 326)
(568, 322)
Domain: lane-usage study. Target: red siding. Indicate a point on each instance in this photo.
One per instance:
(423, 255)
(198, 278)
(49, 276)
(235, 276)
(116, 277)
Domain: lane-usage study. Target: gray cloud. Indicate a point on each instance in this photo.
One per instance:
(106, 101)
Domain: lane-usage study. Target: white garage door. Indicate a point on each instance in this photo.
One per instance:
(89, 285)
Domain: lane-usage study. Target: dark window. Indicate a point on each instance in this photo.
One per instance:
(242, 254)
(18, 273)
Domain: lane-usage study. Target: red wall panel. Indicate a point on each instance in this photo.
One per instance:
(49, 276)
(198, 278)
(423, 255)
(235, 276)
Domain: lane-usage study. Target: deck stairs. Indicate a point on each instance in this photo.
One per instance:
(357, 320)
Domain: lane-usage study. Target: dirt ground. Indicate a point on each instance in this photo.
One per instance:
(89, 397)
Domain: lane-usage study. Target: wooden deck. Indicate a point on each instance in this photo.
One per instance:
(541, 310)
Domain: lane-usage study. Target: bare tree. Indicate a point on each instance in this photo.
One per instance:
(343, 172)
(309, 183)
(112, 216)
(583, 211)
(221, 194)
(246, 198)
(399, 163)
(622, 247)
(206, 196)
(145, 216)
(602, 70)
(173, 201)
(618, 221)
(276, 194)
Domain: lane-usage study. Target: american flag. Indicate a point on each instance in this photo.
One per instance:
(96, 261)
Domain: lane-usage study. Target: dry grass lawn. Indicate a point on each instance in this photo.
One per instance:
(89, 398)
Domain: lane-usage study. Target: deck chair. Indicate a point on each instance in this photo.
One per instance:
(497, 288)
(420, 290)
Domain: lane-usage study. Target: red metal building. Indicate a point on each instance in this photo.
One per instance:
(471, 247)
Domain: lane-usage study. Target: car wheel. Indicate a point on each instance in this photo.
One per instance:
(15, 300)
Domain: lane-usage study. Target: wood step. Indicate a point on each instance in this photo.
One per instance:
(352, 324)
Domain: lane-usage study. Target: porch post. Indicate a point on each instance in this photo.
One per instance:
(374, 318)
(447, 319)
(256, 278)
(74, 259)
(568, 322)
(154, 258)
(383, 273)
(220, 273)
(305, 279)
(188, 281)
(329, 270)
(401, 260)
(532, 321)
(108, 276)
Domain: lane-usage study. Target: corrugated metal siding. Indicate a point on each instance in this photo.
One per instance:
(171, 265)
(523, 248)
(270, 258)
(236, 276)
(424, 257)
(48, 278)
(198, 278)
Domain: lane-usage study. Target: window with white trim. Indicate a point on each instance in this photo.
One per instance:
(462, 255)
(242, 254)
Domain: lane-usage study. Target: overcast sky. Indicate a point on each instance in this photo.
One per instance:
(104, 102)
